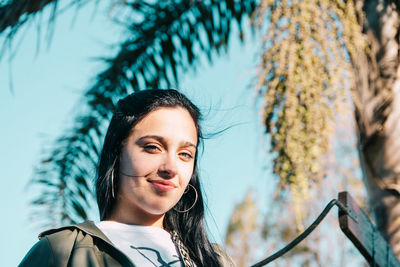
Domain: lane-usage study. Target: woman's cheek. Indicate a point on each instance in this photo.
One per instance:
(145, 165)
(188, 173)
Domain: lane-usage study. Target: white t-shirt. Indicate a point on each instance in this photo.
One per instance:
(144, 245)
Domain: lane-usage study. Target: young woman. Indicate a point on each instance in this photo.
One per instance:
(148, 193)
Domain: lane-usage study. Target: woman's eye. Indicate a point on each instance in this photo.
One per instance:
(186, 155)
(151, 148)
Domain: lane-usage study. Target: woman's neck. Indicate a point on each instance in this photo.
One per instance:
(136, 218)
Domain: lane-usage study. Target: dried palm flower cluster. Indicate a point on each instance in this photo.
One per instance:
(304, 75)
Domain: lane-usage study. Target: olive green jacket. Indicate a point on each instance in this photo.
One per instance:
(83, 245)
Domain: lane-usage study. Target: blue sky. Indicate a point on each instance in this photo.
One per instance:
(47, 86)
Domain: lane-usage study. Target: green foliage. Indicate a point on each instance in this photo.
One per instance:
(304, 74)
(14, 13)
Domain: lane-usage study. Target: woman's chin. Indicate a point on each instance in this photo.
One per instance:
(159, 210)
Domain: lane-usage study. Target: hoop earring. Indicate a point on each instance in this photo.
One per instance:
(197, 196)
(112, 184)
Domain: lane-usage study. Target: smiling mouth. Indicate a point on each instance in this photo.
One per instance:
(161, 185)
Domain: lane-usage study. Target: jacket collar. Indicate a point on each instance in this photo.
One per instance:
(88, 227)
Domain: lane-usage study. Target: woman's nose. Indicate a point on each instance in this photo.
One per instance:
(168, 168)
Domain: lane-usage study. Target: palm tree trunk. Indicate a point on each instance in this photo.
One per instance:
(377, 110)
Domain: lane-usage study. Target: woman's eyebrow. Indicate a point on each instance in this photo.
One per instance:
(187, 143)
(156, 137)
(163, 141)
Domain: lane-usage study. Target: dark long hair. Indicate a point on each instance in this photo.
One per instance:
(130, 110)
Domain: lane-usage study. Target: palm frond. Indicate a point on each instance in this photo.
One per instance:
(15, 13)
(165, 39)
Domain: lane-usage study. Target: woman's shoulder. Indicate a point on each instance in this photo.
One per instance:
(224, 259)
(55, 245)
(51, 242)
(87, 227)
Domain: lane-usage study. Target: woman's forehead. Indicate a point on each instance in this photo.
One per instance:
(168, 122)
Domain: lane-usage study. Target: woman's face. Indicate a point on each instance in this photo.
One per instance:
(156, 163)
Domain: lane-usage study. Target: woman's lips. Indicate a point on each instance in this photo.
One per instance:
(162, 185)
